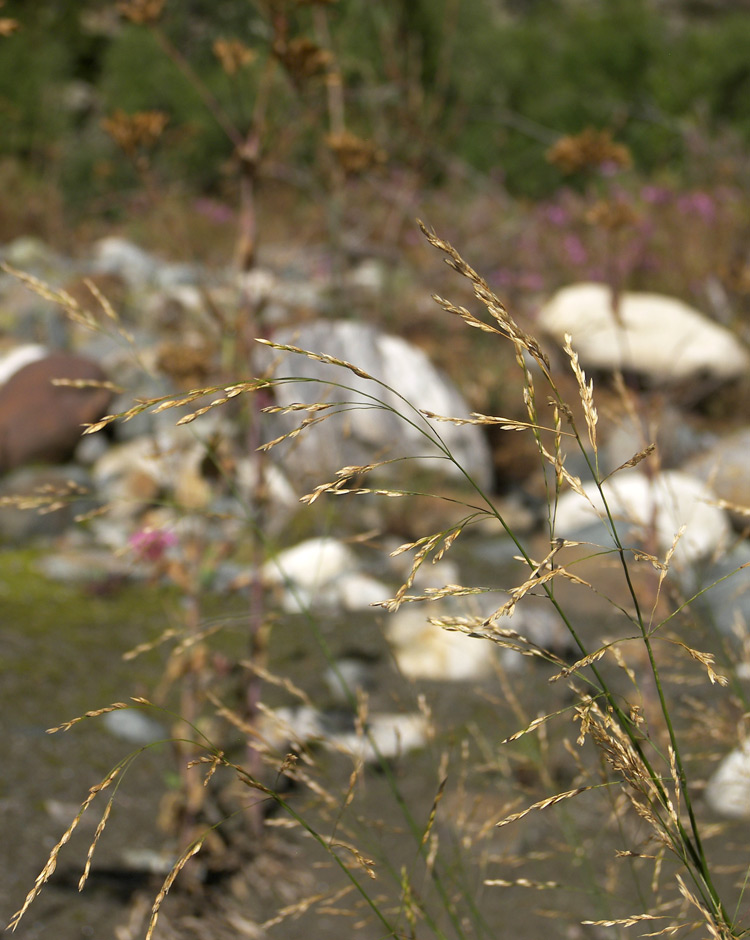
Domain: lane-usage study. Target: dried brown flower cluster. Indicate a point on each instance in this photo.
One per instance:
(8, 26)
(141, 11)
(233, 55)
(302, 57)
(611, 214)
(184, 364)
(134, 132)
(591, 149)
(354, 154)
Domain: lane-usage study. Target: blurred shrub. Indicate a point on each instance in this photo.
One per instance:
(494, 84)
(34, 66)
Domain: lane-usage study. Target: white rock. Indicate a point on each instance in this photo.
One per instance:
(16, 359)
(669, 501)
(361, 435)
(130, 724)
(312, 564)
(114, 255)
(657, 336)
(183, 297)
(368, 276)
(347, 677)
(323, 573)
(130, 475)
(425, 651)
(258, 285)
(723, 465)
(728, 789)
(281, 494)
(390, 736)
(357, 591)
(280, 727)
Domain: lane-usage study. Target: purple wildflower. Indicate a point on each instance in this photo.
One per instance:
(151, 544)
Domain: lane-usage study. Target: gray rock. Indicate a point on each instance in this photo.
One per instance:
(728, 789)
(725, 603)
(130, 724)
(33, 256)
(666, 502)
(170, 276)
(363, 432)
(28, 491)
(84, 566)
(114, 255)
(724, 467)
(676, 439)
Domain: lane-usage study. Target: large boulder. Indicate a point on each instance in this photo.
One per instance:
(43, 422)
(658, 337)
(723, 466)
(640, 504)
(364, 432)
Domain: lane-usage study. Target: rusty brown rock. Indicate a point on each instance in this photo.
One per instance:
(42, 422)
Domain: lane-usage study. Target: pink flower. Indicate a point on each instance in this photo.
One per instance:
(151, 544)
(656, 195)
(698, 203)
(214, 211)
(575, 250)
(556, 214)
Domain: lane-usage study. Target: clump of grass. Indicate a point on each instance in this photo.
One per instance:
(627, 750)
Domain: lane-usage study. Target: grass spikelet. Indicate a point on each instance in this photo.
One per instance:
(586, 660)
(537, 579)
(66, 726)
(87, 383)
(345, 475)
(543, 804)
(169, 881)
(366, 864)
(74, 311)
(634, 460)
(494, 305)
(707, 660)
(157, 405)
(502, 637)
(300, 907)
(557, 461)
(94, 841)
(468, 318)
(216, 403)
(586, 391)
(282, 682)
(624, 921)
(169, 634)
(298, 406)
(51, 863)
(521, 883)
(213, 760)
(434, 808)
(426, 545)
(318, 357)
(295, 432)
(532, 726)
(107, 308)
(505, 424)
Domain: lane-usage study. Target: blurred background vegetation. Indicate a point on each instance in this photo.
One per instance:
(488, 85)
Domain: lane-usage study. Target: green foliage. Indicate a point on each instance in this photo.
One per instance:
(137, 76)
(492, 84)
(34, 117)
